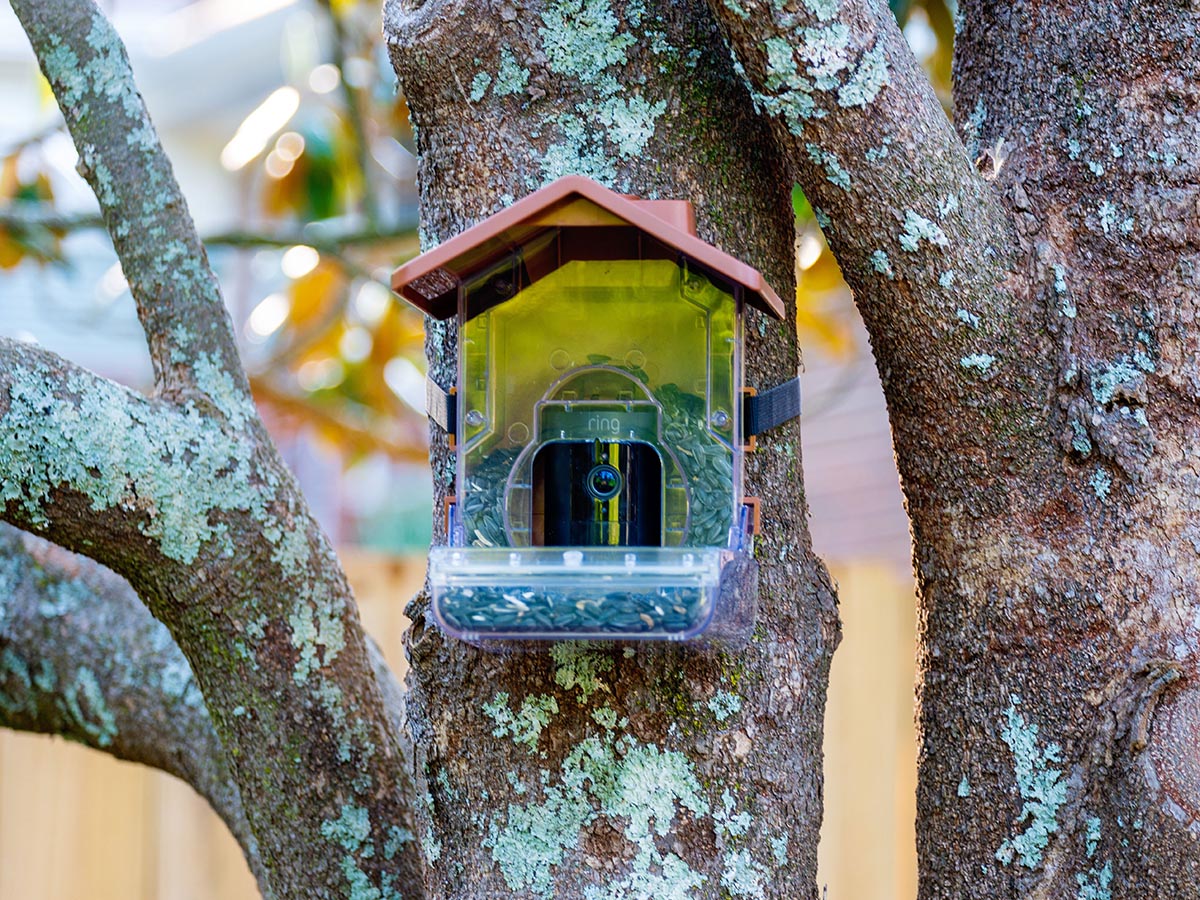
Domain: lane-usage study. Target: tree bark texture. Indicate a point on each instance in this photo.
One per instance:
(1032, 318)
(591, 770)
(1061, 628)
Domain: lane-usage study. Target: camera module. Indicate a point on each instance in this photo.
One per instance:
(604, 482)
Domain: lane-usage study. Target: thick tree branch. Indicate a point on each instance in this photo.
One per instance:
(921, 236)
(195, 515)
(81, 657)
(178, 297)
(99, 468)
(191, 502)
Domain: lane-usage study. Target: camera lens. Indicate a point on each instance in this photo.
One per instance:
(604, 482)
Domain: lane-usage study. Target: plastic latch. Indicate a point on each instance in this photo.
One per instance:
(754, 506)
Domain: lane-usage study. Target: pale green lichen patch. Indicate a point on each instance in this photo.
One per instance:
(824, 10)
(218, 384)
(84, 702)
(1080, 441)
(1110, 218)
(834, 173)
(319, 634)
(737, 9)
(174, 467)
(674, 880)
(743, 875)
(511, 77)
(1092, 835)
(1119, 377)
(1067, 305)
(622, 779)
(867, 79)
(61, 598)
(630, 123)
(980, 362)
(581, 40)
(787, 93)
(350, 829)
(108, 70)
(881, 263)
(967, 318)
(1101, 482)
(525, 725)
(964, 787)
(580, 665)
(724, 704)
(61, 66)
(479, 86)
(727, 821)
(1107, 214)
(1041, 786)
(605, 717)
(874, 154)
(16, 684)
(825, 49)
(917, 228)
(1096, 884)
(779, 849)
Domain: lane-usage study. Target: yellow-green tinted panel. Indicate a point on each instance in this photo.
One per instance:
(626, 365)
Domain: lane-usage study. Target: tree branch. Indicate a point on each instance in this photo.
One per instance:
(97, 467)
(354, 114)
(199, 519)
(81, 657)
(922, 237)
(325, 237)
(178, 297)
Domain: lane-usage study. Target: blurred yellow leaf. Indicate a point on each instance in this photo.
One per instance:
(315, 293)
(45, 92)
(821, 320)
(830, 333)
(11, 252)
(823, 275)
(8, 177)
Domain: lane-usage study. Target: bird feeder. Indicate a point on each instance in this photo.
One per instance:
(599, 422)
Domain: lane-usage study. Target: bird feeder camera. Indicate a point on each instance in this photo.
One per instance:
(599, 422)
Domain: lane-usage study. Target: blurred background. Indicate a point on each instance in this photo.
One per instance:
(292, 145)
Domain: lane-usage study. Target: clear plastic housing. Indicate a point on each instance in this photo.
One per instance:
(599, 470)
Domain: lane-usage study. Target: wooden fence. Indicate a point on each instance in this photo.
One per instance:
(76, 824)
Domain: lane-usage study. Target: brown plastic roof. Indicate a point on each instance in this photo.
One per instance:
(430, 282)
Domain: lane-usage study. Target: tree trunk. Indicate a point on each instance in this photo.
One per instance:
(1059, 707)
(1031, 326)
(547, 767)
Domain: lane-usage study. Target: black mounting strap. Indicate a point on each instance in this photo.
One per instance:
(440, 406)
(762, 412)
